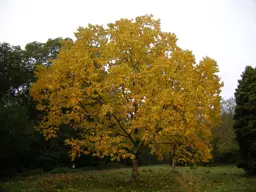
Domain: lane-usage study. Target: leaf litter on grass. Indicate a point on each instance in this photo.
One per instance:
(161, 179)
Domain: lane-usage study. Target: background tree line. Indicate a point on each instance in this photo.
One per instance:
(23, 148)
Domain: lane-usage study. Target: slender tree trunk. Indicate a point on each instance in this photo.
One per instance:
(134, 169)
(174, 157)
(173, 162)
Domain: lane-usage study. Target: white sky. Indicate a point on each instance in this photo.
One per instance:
(225, 30)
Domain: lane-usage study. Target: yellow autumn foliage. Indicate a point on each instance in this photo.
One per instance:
(126, 87)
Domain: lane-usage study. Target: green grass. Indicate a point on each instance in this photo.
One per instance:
(151, 179)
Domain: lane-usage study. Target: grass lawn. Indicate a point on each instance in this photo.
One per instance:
(151, 179)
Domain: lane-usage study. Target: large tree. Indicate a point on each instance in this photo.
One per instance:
(245, 119)
(127, 87)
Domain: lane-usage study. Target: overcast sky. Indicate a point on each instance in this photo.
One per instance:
(225, 30)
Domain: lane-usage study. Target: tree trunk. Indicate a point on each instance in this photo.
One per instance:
(173, 157)
(173, 162)
(134, 169)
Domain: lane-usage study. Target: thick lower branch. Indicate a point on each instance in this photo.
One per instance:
(121, 127)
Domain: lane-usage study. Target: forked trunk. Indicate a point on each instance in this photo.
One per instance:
(134, 169)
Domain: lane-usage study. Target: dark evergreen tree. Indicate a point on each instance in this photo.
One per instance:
(245, 120)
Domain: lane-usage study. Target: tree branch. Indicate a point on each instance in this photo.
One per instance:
(121, 127)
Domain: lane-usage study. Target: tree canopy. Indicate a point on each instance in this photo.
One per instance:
(245, 119)
(128, 86)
